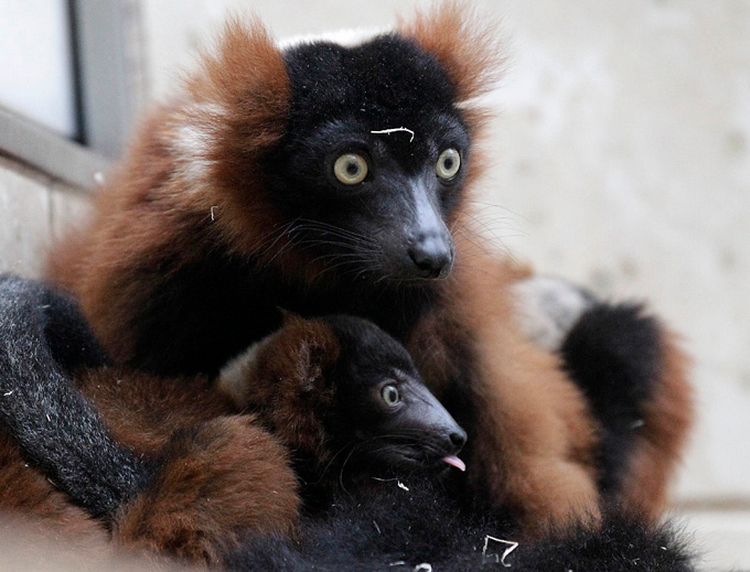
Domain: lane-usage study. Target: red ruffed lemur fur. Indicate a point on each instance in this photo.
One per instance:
(321, 179)
(220, 475)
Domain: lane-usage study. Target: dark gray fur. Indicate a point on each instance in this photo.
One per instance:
(43, 338)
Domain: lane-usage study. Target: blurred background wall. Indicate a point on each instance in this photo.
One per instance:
(621, 160)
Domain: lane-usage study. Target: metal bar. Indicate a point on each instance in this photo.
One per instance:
(109, 104)
(41, 148)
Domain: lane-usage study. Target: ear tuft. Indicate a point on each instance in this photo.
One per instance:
(319, 348)
(465, 43)
(244, 57)
(244, 76)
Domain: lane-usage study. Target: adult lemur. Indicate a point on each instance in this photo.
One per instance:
(325, 178)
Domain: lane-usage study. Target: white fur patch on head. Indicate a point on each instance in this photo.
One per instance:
(193, 139)
(234, 376)
(547, 308)
(348, 37)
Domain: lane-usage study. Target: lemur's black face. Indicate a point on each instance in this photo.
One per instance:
(373, 160)
(383, 406)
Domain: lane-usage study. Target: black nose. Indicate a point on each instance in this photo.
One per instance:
(458, 439)
(432, 257)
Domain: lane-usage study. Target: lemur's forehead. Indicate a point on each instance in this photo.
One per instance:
(383, 78)
(367, 348)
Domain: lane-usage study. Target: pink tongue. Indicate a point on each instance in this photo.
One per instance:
(455, 462)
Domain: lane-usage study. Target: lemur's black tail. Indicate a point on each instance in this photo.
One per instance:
(613, 353)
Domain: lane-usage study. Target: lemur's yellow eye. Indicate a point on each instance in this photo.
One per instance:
(350, 169)
(448, 164)
(390, 395)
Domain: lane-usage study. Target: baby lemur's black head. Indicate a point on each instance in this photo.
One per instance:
(340, 391)
(382, 406)
(373, 158)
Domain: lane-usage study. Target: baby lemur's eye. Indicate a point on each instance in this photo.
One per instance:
(390, 395)
(448, 164)
(350, 169)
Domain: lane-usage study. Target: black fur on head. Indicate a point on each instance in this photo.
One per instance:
(382, 405)
(373, 158)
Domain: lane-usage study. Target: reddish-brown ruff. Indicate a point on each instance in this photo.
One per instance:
(534, 437)
(177, 192)
(290, 407)
(532, 433)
